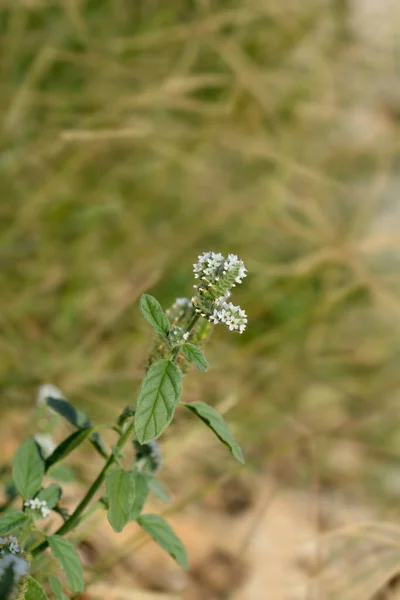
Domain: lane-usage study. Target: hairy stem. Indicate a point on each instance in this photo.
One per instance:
(73, 520)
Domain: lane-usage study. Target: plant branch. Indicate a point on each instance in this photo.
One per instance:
(73, 520)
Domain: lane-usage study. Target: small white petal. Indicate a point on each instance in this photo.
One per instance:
(48, 390)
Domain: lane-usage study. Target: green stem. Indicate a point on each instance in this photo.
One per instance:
(91, 511)
(72, 521)
(189, 328)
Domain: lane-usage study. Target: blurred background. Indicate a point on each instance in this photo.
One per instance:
(136, 134)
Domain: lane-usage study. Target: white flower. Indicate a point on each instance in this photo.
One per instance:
(48, 390)
(215, 317)
(234, 265)
(186, 336)
(46, 443)
(14, 547)
(242, 274)
(223, 314)
(45, 511)
(232, 316)
(233, 323)
(222, 300)
(208, 263)
(211, 265)
(39, 507)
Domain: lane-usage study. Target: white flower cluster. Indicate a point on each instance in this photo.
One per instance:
(11, 556)
(233, 264)
(233, 316)
(38, 506)
(11, 545)
(212, 264)
(207, 263)
(218, 275)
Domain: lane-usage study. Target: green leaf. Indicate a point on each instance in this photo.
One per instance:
(120, 485)
(7, 583)
(98, 444)
(11, 520)
(56, 587)
(195, 356)
(157, 488)
(67, 446)
(50, 495)
(141, 493)
(64, 551)
(154, 314)
(158, 396)
(34, 590)
(28, 469)
(62, 473)
(164, 535)
(215, 422)
(78, 419)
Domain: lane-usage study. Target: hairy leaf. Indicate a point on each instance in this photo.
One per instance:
(34, 590)
(28, 469)
(78, 419)
(51, 495)
(216, 423)
(195, 356)
(56, 587)
(154, 314)
(164, 535)
(158, 396)
(62, 473)
(157, 488)
(141, 493)
(11, 520)
(66, 554)
(67, 446)
(121, 486)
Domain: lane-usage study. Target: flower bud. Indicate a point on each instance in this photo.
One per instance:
(149, 455)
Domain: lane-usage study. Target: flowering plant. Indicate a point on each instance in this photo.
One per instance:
(181, 333)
